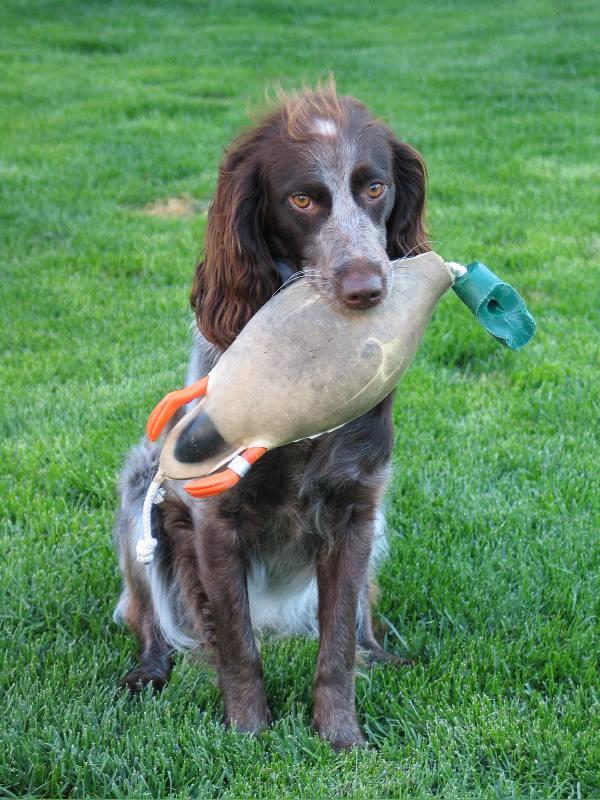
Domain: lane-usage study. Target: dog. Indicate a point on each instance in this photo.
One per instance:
(317, 188)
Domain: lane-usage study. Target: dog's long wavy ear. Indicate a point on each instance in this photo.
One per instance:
(237, 274)
(406, 233)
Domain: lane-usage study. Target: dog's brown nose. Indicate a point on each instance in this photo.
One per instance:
(361, 287)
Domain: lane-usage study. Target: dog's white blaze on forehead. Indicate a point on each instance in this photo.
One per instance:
(325, 127)
(349, 232)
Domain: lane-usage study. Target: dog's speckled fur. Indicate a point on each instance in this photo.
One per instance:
(293, 548)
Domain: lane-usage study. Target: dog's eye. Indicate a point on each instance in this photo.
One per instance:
(376, 189)
(301, 201)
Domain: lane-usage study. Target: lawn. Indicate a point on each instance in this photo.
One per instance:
(110, 108)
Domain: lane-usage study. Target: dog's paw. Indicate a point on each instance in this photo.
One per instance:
(137, 680)
(377, 655)
(250, 720)
(245, 707)
(341, 731)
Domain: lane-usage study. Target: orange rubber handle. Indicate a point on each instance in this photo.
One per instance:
(163, 412)
(225, 479)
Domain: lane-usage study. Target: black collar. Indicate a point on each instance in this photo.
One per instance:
(285, 270)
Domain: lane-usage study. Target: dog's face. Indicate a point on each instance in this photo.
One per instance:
(329, 202)
(321, 185)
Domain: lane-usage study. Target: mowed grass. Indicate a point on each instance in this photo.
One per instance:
(493, 582)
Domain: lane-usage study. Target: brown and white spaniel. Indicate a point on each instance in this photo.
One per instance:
(321, 187)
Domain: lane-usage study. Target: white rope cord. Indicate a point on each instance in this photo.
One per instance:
(456, 269)
(146, 546)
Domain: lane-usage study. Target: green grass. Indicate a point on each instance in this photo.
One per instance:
(493, 584)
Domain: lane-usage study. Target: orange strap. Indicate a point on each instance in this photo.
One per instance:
(225, 479)
(163, 412)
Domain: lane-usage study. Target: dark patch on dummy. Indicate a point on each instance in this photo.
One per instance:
(198, 441)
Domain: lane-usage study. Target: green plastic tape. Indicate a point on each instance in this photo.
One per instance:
(496, 305)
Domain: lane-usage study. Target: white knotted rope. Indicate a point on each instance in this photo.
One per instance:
(456, 269)
(146, 546)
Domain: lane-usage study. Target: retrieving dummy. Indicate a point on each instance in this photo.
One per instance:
(301, 368)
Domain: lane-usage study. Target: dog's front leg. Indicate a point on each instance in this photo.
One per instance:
(239, 665)
(340, 574)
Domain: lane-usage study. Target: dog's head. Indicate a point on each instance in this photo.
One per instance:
(318, 184)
